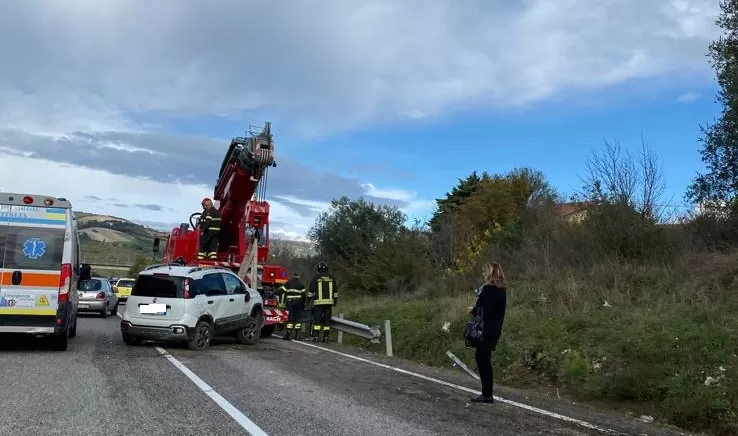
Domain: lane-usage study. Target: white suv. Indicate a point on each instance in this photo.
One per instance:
(191, 304)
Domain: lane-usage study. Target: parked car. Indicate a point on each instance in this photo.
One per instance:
(96, 295)
(122, 288)
(191, 305)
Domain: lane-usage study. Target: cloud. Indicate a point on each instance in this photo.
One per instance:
(327, 64)
(688, 97)
(154, 207)
(166, 200)
(95, 91)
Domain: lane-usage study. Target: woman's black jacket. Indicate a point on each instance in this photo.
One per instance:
(493, 301)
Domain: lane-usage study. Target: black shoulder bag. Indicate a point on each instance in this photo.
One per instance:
(473, 333)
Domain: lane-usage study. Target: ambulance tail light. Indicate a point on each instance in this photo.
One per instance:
(65, 282)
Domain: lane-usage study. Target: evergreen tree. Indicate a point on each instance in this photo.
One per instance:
(720, 140)
(454, 199)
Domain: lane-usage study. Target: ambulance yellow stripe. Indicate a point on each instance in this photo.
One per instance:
(24, 311)
(55, 216)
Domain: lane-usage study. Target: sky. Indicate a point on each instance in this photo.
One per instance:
(127, 107)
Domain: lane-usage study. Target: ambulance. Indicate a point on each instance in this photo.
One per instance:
(39, 267)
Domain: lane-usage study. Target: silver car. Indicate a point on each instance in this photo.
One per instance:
(96, 295)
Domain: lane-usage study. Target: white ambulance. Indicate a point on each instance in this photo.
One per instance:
(39, 265)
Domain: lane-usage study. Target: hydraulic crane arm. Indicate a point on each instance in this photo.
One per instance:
(243, 167)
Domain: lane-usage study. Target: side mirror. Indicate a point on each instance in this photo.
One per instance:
(155, 248)
(247, 297)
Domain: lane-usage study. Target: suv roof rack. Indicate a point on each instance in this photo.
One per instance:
(160, 265)
(206, 267)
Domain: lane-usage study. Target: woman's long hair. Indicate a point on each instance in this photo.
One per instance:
(494, 275)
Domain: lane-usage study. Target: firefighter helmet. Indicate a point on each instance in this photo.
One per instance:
(322, 267)
(204, 200)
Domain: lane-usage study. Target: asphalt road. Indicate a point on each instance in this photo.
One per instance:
(100, 386)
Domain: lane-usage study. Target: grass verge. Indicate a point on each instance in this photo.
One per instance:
(676, 362)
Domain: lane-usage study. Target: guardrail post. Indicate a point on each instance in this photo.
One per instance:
(388, 336)
(340, 333)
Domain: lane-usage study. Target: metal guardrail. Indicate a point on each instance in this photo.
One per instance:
(107, 260)
(355, 328)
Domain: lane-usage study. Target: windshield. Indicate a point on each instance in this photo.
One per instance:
(158, 286)
(125, 284)
(92, 285)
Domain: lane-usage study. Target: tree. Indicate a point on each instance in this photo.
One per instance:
(454, 199)
(354, 235)
(720, 140)
(137, 266)
(492, 211)
(615, 176)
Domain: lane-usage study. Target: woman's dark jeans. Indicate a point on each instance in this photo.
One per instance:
(484, 366)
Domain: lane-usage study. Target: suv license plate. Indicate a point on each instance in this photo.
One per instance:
(153, 309)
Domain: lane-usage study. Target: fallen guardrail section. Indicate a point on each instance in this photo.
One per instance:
(355, 328)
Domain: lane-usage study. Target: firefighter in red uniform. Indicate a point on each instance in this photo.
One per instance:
(324, 295)
(209, 231)
(293, 295)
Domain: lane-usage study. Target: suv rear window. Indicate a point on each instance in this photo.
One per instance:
(159, 286)
(32, 247)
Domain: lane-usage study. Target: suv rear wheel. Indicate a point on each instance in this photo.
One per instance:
(202, 336)
(131, 340)
(250, 333)
(60, 342)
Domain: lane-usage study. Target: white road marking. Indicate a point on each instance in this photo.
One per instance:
(229, 408)
(465, 389)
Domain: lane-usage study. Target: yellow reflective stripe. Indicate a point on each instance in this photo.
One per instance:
(213, 228)
(208, 218)
(18, 311)
(324, 297)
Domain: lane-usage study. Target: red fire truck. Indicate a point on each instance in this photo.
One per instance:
(243, 244)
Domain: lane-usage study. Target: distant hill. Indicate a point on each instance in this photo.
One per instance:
(110, 239)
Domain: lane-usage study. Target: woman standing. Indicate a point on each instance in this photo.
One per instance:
(492, 300)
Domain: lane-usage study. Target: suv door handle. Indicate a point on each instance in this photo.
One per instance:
(231, 299)
(210, 301)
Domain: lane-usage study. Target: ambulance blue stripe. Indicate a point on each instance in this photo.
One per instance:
(21, 220)
(55, 210)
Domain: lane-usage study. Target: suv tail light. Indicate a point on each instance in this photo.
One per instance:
(100, 296)
(65, 282)
(186, 288)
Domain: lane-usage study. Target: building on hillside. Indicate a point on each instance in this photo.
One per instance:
(573, 212)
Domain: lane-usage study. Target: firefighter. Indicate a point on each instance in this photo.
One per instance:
(209, 231)
(324, 295)
(293, 294)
